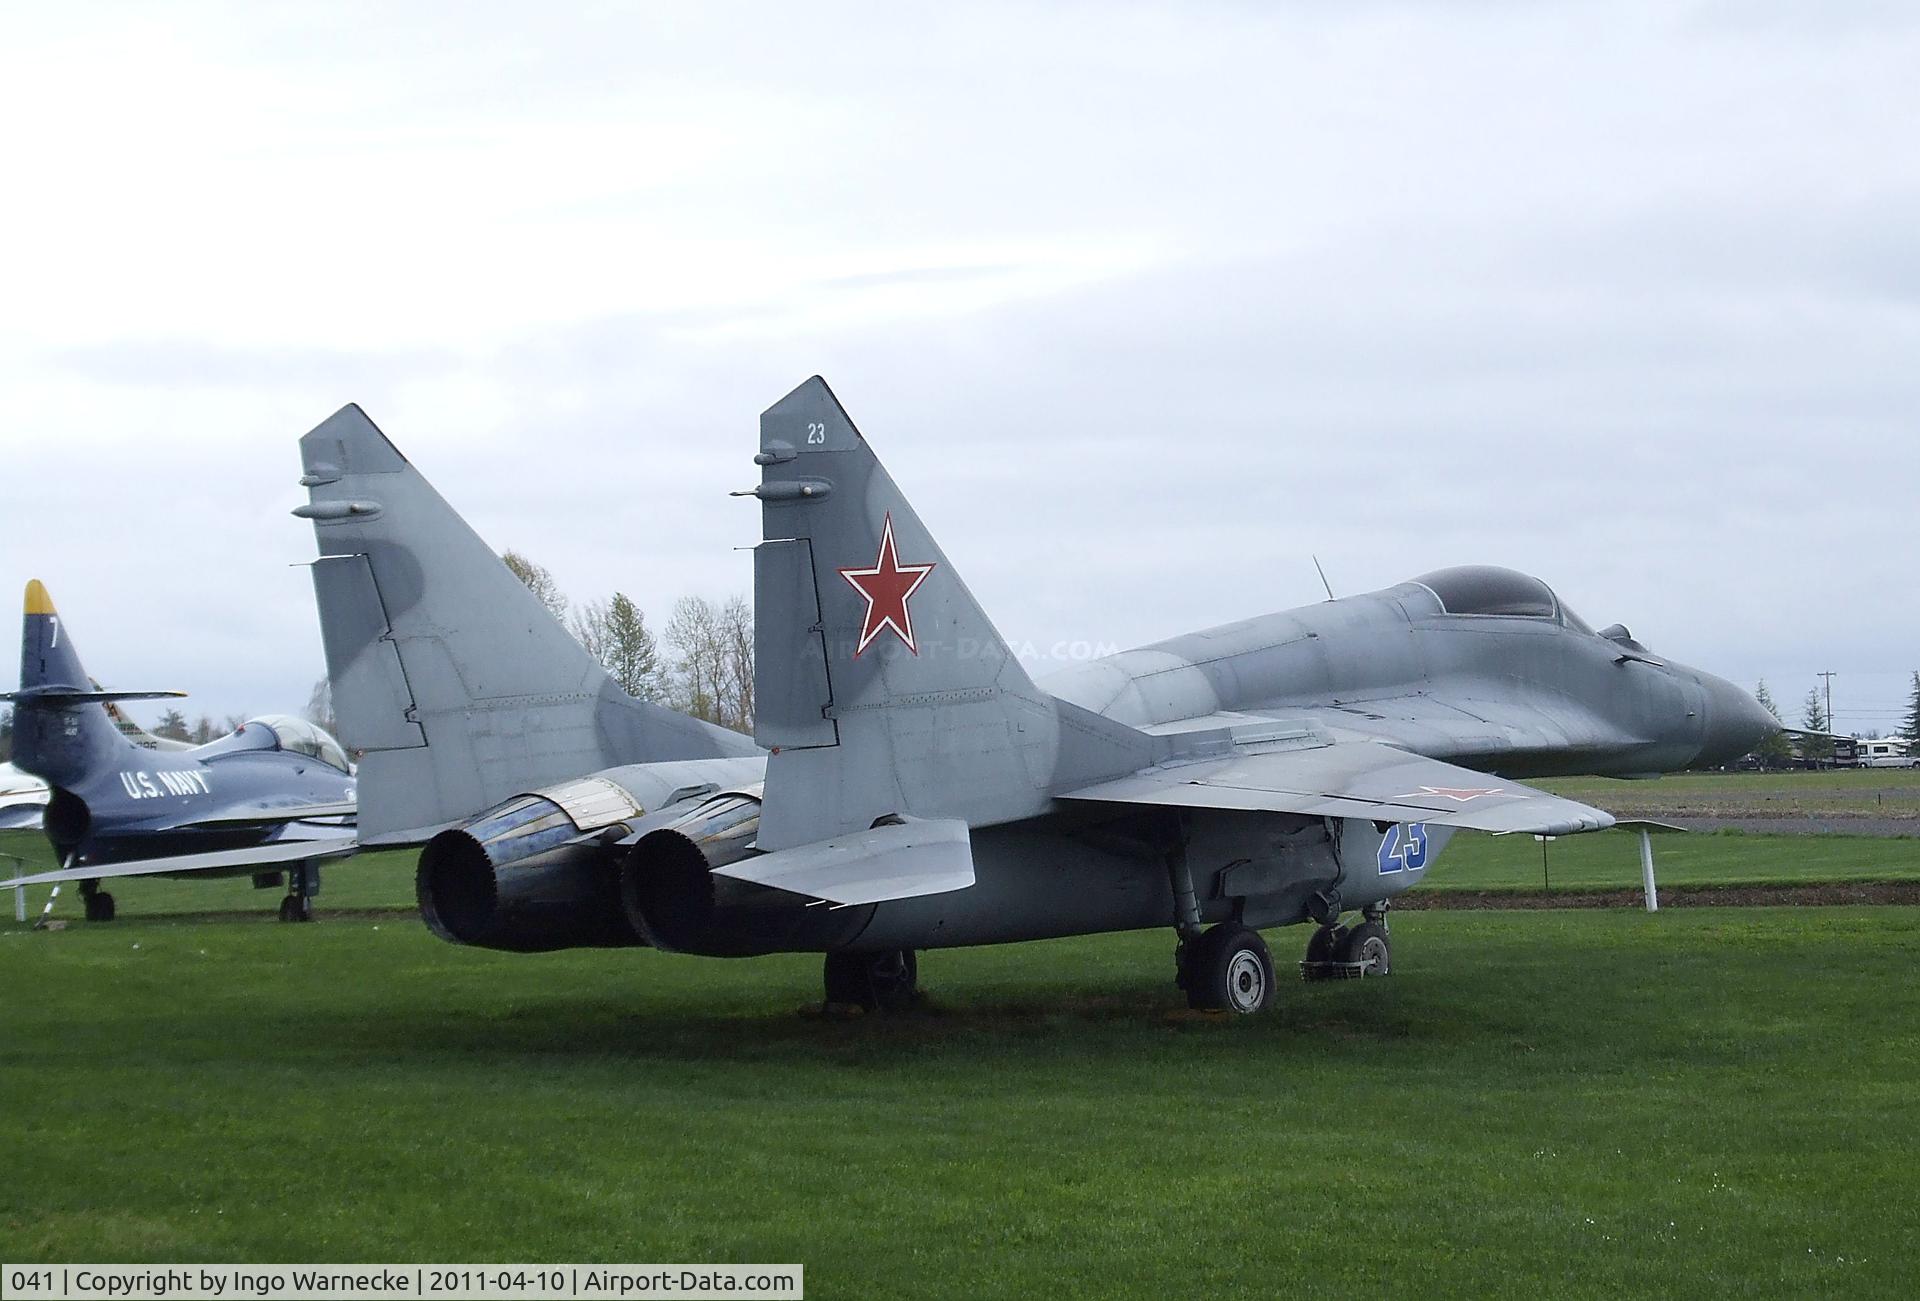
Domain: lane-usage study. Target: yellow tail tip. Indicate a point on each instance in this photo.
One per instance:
(38, 602)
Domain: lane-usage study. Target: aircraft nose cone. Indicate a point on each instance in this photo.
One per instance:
(1736, 724)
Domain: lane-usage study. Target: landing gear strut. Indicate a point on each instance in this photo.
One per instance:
(98, 902)
(303, 882)
(1224, 968)
(879, 982)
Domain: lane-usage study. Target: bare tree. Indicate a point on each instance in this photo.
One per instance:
(736, 649)
(589, 627)
(693, 634)
(204, 730)
(539, 581)
(320, 707)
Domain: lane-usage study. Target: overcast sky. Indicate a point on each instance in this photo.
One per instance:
(1143, 305)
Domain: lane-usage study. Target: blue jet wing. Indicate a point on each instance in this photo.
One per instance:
(227, 861)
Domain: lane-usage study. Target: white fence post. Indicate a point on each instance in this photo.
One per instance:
(1646, 870)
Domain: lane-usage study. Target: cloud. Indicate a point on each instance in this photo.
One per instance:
(1143, 306)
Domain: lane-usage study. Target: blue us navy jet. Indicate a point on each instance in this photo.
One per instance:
(918, 789)
(273, 796)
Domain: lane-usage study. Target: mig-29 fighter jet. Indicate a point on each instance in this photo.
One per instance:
(922, 791)
(275, 795)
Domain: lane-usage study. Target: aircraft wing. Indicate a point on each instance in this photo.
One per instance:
(1353, 779)
(263, 857)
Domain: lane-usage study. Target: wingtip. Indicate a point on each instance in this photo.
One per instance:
(38, 602)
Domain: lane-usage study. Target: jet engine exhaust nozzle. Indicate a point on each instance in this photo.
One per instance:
(523, 877)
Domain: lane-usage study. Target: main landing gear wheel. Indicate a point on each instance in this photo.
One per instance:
(296, 908)
(99, 906)
(1366, 945)
(879, 982)
(1228, 969)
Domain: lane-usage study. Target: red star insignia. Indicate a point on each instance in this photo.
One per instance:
(887, 585)
(1459, 795)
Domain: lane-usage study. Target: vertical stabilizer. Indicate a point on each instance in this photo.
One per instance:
(880, 684)
(453, 684)
(61, 732)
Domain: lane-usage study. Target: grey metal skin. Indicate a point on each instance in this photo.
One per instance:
(1215, 748)
(243, 804)
(921, 790)
(480, 725)
(454, 686)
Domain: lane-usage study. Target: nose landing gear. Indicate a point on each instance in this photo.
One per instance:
(1338, 952)
(303, 882)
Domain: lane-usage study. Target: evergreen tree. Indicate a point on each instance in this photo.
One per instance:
(630, 654)
(173, 726)
(1776, 751)
(1819, 746)
(1912, 728)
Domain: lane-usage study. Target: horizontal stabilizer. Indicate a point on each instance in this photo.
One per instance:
(1359, 779)
(57, 696)
(901, 860)
(220, 862)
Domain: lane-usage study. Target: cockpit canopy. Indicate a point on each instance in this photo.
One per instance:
(1491, 590)
(279, 732)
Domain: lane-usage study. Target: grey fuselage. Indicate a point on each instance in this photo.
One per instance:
(1516, 696)
(1520, 696)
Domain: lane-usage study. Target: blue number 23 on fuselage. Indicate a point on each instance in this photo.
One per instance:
(1403, 848)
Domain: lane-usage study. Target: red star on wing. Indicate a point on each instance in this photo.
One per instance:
(887, 585)
(1459, 795)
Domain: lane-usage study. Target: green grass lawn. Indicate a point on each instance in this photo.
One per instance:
(381, 880)
(1535, 1104)
(1471, 862)
(1878, 792)
(1611, 860)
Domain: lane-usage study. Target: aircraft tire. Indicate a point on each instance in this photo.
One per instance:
(296, 908)
(99, 907)
(1229, 969)
(1367, 943)
(1324, 946)
(878, 982)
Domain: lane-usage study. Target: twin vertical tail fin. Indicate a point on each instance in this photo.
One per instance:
(452, 682)
(62, 733)
(881, 686)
